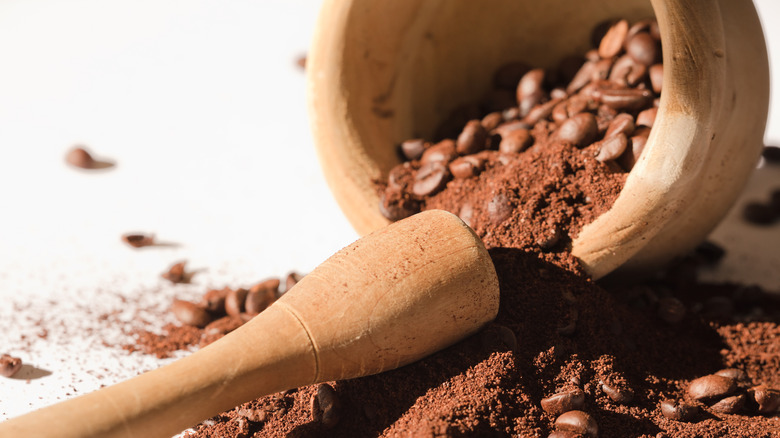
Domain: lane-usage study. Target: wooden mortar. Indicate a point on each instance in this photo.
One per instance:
(382, 71)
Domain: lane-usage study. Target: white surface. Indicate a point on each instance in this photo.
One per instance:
(202, 106)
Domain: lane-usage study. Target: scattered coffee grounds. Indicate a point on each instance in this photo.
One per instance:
(79, 157)
(9, 365)
(177, 273)
(138, 240)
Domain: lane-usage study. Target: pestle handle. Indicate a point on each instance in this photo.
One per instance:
(390, 298)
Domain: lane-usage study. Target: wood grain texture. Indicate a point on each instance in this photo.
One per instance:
(380, 72)
(391, 298)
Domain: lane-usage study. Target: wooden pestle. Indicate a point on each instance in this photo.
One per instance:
(389, 299)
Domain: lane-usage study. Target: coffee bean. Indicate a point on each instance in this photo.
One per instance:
(190, 313)
(529, 90)
(292, 279)
(400, 175)
(679, 410)
(656, 72)
(711, 387)
(583, 76)
(632, 152)
(499, 208)
(466, 213)
(79, 157)
(413, 149)
(671, 310)
(325, 406)
(563, 434)
(466, 167)
(730, 405)
(214, 300)
(579, 130)
(261, 295)
(569, 108)
(618, 394)
(9, 365)
(626, 71)
(649, 26)
(613, 40)
(643, 48)
(611, 147)
(395, 206)
(492, 120)
(709, 252)
(771, 154)
(541, 111)
(631, 99)
(176, 273)
(430, 178)
(443, 151)
(767, 399)
(601, 70)
(235, 300)
(138, 240)
(508, 75)
(758, 213)
(515, 141)
(549, 239)
(564, 401)
(647, 117)
(577, 422)
(623, 123)
(472, 139)
(505, 128)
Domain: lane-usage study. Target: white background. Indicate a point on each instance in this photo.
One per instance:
(202, 107)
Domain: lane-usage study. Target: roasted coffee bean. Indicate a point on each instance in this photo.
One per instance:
(613, 40)
(541, 111)
(499, 208)
(771, 154)
(79, 157)
(564, 401)
(466, 167)
(733, 373)
(176, 273)
(138, 240)
(472, 139)
(492, 120)
(508, 75)
(583, 76)
(569, 108)
(514, 142)
(611, 147)
(9, 365)
(758, 213)
(643, 48)
(190, 313)
(430, 178)
(767, 399)
(709, 252)
(577, 422)
(549, 239)
(711, 387)
(631, 99)
(292, 279)
(394, 206)
(564, 434)
(505, 128)
(235, 300)
(326, 406)
(730, 405)
(633, 152)
(626, 71)
(529, 90)
(623, 123)
(399, 175)
(656, 72)
(214, 300)
(579, 130)
(601, 70)
(413, 149)
(443, 151)
(511, 114)
(649, 26)
(261, 295)
(671, 310)
(618, 394)
(679, 410)
(466, 213)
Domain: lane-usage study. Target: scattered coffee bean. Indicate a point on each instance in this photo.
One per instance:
(734, 374)
(730, 405)
(430, 178)
(235, 301)
(579, 130)
(214, 300)
(529, 90)
(679, 410)
(413, 149)
(396, 210)
(138, 240)
(758, 213)
(643, 48)
(611, 147)
(647, 117)
(767, 399)
(472, 139)
(671, 310)
(627, 72)
(711, 387)
(443, 151)
(466, 167)
(771, 154)
(325, 406)
(9, 365)
(79, 157)
(577, 422)
(618, 394)
(292, 279)
(541, 111)
(190, 313)
(565, 401)
(261, 295)
(656, 72)
(631, 99)
(177, 274)
(499, 208)
(492, 120)
(613, 40)
(623, 123)
(515, 141)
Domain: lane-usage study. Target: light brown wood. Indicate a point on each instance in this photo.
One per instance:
(388, 299)
(382, 71)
